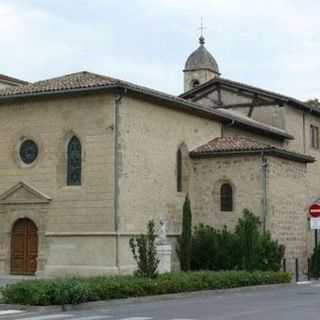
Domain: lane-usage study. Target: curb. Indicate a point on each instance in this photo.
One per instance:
(146, 299)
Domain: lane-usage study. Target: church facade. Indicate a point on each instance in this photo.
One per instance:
(86, 160)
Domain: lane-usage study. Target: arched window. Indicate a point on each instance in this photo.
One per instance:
(226, 197)
(74, 162)
(179, 170)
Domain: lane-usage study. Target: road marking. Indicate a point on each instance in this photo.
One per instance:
(137, 318)
(316, 285)
(49, 317)
(6, 312)
(93, 317)
(304, 282)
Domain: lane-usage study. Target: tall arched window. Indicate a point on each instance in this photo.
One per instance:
(179, 170)
(226, 197)
(74, 162)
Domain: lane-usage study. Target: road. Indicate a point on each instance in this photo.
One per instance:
(293, 303)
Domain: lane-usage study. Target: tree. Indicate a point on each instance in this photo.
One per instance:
(144, 252)
(185, 240)
(248, 234)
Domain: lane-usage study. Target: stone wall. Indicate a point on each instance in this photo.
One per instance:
(286, 197)
(79, 219)
(242, 172)
(150, 136)
(287, 206)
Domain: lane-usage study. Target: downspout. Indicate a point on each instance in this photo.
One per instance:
(117, 103)
(304, 132)
(264, 167)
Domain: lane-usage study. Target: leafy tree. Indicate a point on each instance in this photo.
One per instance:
(185, 240)
(144, 252)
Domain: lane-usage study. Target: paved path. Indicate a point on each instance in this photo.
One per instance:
(294, 303)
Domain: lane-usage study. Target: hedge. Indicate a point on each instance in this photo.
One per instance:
(79, 290)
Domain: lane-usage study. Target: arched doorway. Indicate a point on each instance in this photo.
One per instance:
(24, 247)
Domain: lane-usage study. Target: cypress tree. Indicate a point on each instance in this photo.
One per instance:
(185, 240)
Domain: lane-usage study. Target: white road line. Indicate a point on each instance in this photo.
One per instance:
(6, 312)
(304, 282)
(137, 318)
(49, 317)
(315, 285)
(92, 317)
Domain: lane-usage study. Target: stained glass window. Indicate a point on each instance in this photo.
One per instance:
(28, 151)
(74, 162)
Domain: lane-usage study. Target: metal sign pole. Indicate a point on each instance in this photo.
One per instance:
(316, 238)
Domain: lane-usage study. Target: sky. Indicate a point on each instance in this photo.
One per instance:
(273, 44)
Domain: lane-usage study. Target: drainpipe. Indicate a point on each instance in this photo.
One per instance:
(304, 131)
(117, 103)
(264, 167)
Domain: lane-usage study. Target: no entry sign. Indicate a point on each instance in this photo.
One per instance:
(314, 212)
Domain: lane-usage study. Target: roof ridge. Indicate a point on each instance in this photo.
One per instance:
(247, 145)
(11, 79)
(249, 86)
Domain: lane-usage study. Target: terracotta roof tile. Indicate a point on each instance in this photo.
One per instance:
(77, 80)
(6, 78)
(230, 144)
(244, 145)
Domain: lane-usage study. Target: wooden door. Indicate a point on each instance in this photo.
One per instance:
(24, 247)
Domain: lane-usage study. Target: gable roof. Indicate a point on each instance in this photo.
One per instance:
(223, 82)
(11, 80)
(86, 82)
(22, 193)
(238, 145)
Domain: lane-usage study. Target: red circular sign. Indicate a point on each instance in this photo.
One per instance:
(314, 210)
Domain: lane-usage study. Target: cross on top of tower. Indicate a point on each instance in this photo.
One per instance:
(202, 28)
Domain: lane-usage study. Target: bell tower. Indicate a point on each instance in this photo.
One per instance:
(200, 66)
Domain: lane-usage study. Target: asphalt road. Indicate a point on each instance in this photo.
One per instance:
(293, 303)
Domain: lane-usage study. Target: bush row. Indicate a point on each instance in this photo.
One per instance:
(79, 290)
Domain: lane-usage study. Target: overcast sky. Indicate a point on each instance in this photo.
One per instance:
(274, 44)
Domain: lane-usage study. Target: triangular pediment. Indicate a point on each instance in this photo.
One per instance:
(22, 193)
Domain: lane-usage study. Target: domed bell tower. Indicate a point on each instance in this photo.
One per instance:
(200, 67)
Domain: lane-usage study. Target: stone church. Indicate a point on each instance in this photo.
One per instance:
(86, 160)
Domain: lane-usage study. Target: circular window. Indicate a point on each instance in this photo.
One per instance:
(28, 151)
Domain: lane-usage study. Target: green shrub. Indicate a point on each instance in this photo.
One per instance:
(144, 252)
(213, 249)
(270, 254)
(185, 240)
(78, 290)
(245, 249)
(315, 263)
(248, 235)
